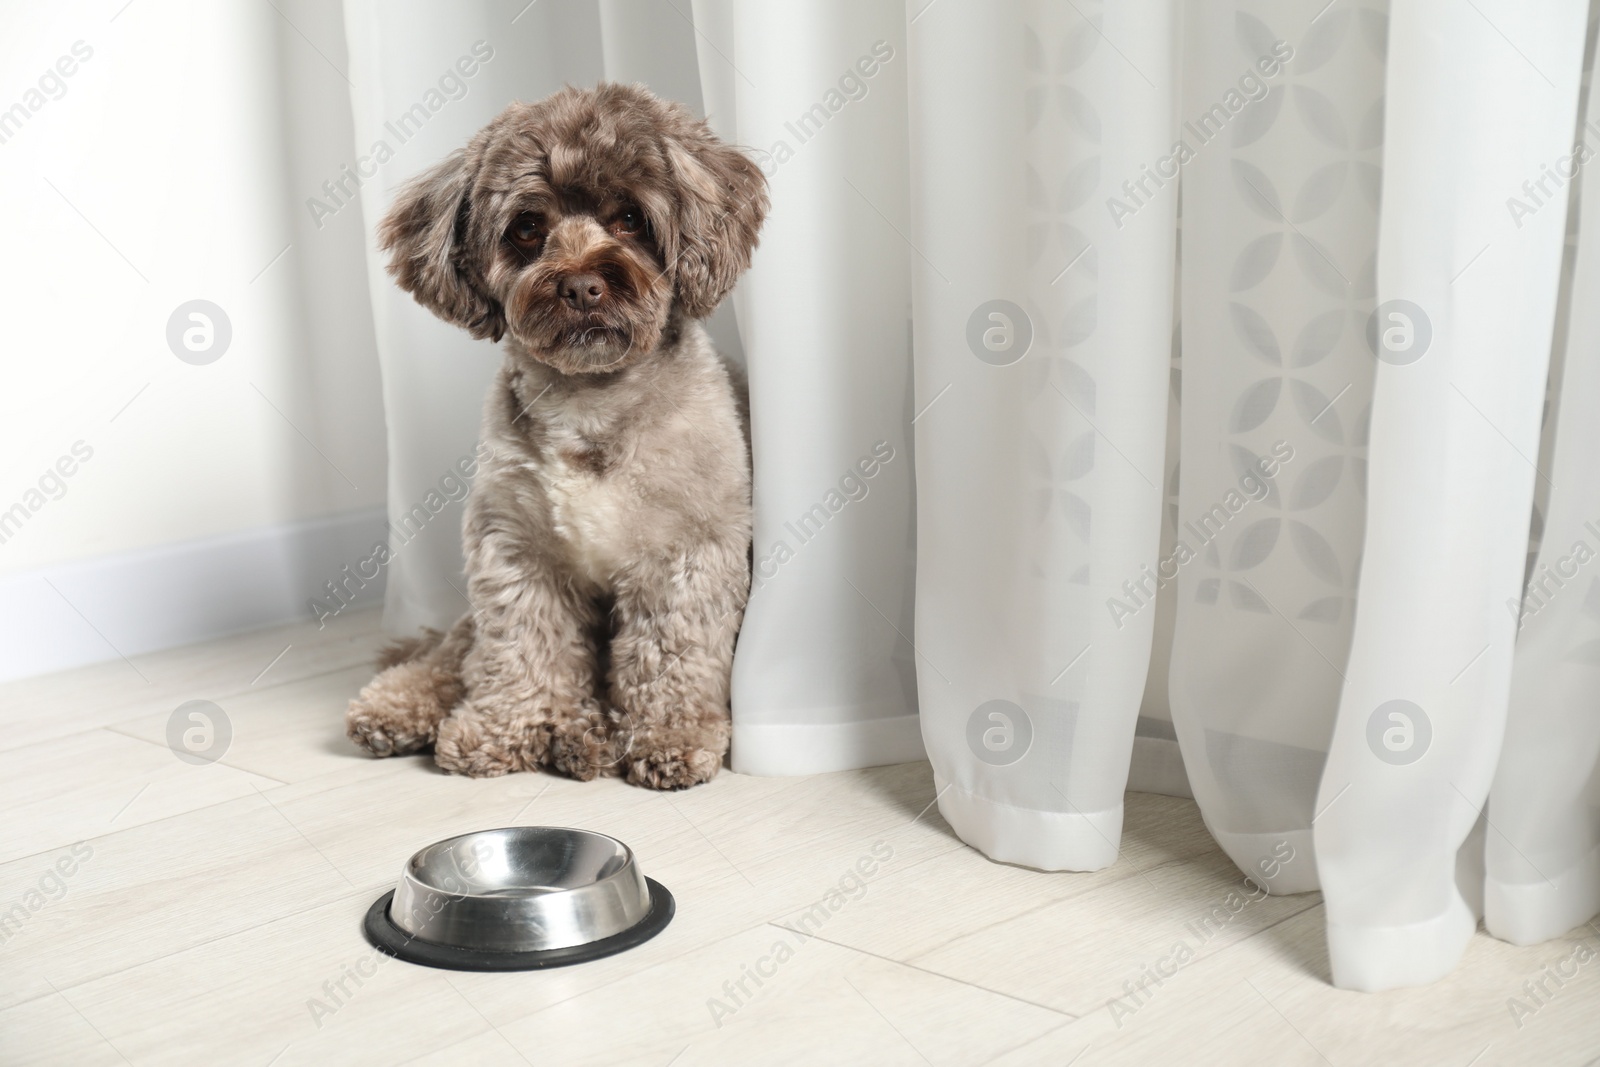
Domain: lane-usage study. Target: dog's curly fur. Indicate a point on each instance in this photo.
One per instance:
(607, 532)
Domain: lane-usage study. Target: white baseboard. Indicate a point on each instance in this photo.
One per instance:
(783, 749)
(64, 616)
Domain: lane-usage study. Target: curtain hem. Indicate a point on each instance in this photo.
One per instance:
(1045, 840)
(1372, 959)
(1526, 913)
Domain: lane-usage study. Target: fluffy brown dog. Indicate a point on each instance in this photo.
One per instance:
(607, 534)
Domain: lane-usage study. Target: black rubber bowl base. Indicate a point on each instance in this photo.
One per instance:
(387, 937)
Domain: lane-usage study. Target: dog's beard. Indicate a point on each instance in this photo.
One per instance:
(596, 341)
(625, 328)
(575, 344)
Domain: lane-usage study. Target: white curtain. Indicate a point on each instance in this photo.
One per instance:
(1039, 469)
(1543, 853)
(1213, 338)
(1453, 446)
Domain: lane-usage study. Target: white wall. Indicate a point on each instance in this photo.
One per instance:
(161, 171)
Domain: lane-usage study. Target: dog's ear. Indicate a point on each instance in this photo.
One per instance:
(722, 201)
(427, 234)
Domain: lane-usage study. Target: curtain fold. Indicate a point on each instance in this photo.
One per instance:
(1543, 855)
(823, 677)
(1282, 112)
(1043, 330)
(1455, 433)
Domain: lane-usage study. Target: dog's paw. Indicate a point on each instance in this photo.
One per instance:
(676, 757)
(395, 714)
(468, 745)
(374, 735)
(590, 745)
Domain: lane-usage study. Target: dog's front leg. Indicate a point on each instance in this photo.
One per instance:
(531, 670)
(675, 620)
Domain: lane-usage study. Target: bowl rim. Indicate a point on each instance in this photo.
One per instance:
(410, 871)
(386, 937)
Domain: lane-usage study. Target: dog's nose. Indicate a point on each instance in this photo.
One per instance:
(581, 291)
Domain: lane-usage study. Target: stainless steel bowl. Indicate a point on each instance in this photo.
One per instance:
(518, 898)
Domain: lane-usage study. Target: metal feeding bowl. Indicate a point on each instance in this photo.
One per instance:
(517, 899)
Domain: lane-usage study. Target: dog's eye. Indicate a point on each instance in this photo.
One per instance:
(525, 231)
(629, 223)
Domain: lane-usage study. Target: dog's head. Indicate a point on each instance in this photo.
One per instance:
(578, 225)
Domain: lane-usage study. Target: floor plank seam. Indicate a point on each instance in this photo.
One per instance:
(1223, 951)
(119, 724)
(1077, 892)
(91, 979)
(802, 902)
(924, 970)
(175, 815)
(134, 715)
(162, 744)
(634, 974)
(1033, 1041)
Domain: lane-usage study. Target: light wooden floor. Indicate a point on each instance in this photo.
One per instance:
(212, 912)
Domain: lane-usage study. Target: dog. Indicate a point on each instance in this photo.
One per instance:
(607, 531)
